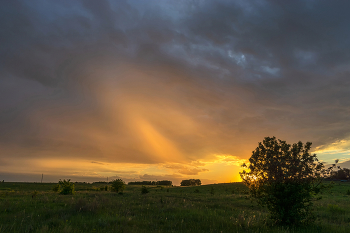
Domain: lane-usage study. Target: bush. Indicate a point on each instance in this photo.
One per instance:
(118, 185)
(285, 178)
(144, 190)
(65, 187)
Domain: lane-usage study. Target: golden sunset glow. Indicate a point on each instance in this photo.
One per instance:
(171, 90)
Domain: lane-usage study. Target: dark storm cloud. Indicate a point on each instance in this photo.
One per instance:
(236, 70)
(296, 58)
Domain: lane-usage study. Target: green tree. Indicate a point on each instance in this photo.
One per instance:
(191, 182)
(285, 178)
(341, 174)
(118, 185)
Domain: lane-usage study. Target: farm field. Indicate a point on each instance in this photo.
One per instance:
(34, 207)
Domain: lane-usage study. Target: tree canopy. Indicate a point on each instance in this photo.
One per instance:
(118, 185)
(191, 182)
(285, 178)
(161, 182)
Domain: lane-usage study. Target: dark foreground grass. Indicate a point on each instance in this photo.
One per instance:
(30, 207)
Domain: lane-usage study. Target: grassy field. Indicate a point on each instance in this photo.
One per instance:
(34, 207)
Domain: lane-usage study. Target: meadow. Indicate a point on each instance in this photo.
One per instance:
(34, 207)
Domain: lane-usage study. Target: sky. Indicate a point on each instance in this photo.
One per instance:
(168, 90)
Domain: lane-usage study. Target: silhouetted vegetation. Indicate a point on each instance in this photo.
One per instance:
(118, 185)
(341, 174)
(101, 182)
(144, 190)
(285, 178)
(162, 182)
(191, 182)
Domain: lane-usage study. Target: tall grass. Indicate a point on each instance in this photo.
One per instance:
(168, 209)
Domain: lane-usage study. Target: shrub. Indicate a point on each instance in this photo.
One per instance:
(118, 185)
(66, 187)
(285, 178)
(144, 190)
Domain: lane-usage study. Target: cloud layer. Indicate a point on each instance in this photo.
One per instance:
(169, 83)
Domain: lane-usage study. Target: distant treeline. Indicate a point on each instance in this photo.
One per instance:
(191, 182)
(341, 174)
(162, 182)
